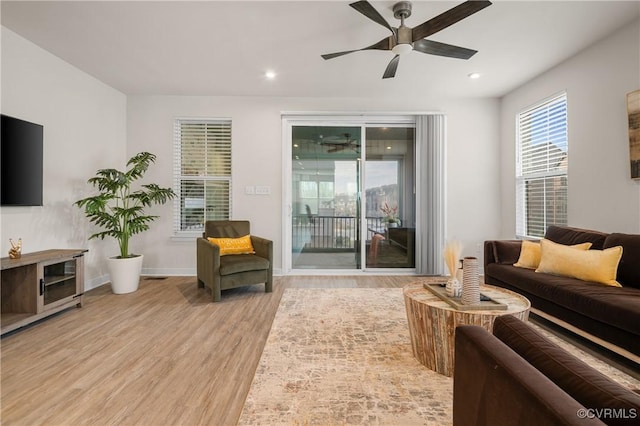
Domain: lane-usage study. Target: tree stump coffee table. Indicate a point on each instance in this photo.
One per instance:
(433, 321)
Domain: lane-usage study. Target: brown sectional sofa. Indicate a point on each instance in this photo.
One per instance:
(608, 315)
(516, 376)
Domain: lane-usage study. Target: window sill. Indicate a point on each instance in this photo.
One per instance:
(186, 236)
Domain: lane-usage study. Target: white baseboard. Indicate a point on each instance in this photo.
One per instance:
(92, 283)
(181, 272)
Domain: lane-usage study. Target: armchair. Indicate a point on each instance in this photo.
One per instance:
(233, 270)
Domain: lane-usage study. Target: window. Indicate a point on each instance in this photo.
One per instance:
(541, 170)
(202, 170)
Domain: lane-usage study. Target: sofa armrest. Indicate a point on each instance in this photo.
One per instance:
(586, 385)
(493, 385)
(629, 266)
(501, 251)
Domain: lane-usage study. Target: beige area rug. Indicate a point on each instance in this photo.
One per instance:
(343, 357)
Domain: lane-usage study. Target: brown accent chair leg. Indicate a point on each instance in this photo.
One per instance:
(216, 293)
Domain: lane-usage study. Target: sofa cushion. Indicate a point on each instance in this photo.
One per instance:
(617, 306)
(235, 263)
(587, 386)
(570, 236)
(599, 266)
(629, 267)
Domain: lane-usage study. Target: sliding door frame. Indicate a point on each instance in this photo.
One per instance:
(291, 119)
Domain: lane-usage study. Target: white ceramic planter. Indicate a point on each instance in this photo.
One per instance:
(125, 274)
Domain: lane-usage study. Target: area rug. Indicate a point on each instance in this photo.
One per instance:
(343, 357)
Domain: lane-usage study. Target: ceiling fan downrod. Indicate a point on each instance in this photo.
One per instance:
(404, 36)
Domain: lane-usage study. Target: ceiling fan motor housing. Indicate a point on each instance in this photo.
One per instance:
(404, 35)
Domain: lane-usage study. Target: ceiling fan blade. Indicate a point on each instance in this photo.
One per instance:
(335, 55)
(448, 18)
(370, 12)
(337, 148)
(384, 44)
(442, 49)
(390, 72)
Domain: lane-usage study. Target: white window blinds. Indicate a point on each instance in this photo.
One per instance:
(541, 170)
(202, 170)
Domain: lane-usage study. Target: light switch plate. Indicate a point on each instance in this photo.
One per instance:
(250, 190)
(263, 190)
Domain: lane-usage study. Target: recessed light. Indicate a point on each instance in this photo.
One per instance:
(270, 75)
(388, 147)
(474, 75)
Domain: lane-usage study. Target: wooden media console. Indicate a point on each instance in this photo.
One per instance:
(40, 284)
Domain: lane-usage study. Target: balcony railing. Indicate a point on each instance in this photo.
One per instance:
(331, 233)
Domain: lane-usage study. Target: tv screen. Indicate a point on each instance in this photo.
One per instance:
(20, 162)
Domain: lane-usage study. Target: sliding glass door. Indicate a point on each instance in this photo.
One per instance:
(389, 188)
(352, 197)
(325, 192)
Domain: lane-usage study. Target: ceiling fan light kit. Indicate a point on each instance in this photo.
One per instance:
(401, 49)
(404, 39)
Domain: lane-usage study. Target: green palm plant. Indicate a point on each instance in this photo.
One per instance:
(119, 209)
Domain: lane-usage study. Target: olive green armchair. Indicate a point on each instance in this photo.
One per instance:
(233, 270)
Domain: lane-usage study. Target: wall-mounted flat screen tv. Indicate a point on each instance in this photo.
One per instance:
(20, 162)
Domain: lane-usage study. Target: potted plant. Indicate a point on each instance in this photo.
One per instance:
(119, 209)
(390, 216)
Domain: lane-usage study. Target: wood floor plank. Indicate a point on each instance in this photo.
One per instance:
(162, 355)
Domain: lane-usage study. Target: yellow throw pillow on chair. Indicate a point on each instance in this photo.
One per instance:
(227, 246)
(600, 266)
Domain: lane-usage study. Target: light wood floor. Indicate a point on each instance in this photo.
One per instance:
(164, 355)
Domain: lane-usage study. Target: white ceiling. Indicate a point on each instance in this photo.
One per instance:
(224, 47)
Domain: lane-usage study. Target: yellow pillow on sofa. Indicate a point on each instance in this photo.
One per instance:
(600, 266)
(227, 246)
(530, 253)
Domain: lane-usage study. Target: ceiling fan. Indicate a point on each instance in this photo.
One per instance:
(404, 39)
(340, 143)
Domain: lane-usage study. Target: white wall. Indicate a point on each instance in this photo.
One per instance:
(473, 190)
(84, 129)
(89, 125)
(601, 194)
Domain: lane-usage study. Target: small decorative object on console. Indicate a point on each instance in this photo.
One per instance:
(16, 249)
